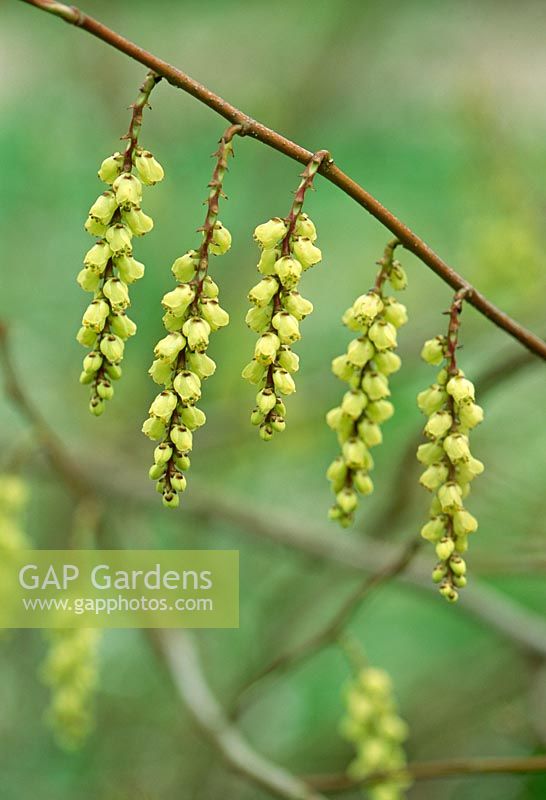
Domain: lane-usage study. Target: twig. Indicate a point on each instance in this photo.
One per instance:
(179, 653)
(431, 770)
(332, 629)
(278, 142)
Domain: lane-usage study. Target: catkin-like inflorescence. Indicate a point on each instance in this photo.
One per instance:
(452, 413)
(373, 726)
(13, 539)
(288, 249)
(115, 217)
(365, 366)
(192, 313)
(70, 671)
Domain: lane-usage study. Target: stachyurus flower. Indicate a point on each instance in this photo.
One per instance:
(365, 367)
(115, 217)
(376, 731)
(287, 249)
(181, 365)
(452, 413)
(70, 671)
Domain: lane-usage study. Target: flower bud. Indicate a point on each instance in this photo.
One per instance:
(96, 406)
(459, 581)
(383, 335)
(88, 280)
(184, 268)
(433, 351)
(95, 315)
(113, 371)
(457, 565)
(397, 276)
(179, 299)
(92, 362)
(171, 500)
(438, 424)
(277, 423)
(468, 470)
(354, 402)
(387, 362)
(270, 233)
(201, 364)
(94, 227)
(283, 381)
(110, 168)
(430, 452)
(266, 348)
(153, 428)
(103, 208)
(342, 368)
(188, 387)
(98, 256)
(178, 482)
(464, 523)
(266, 400)
(112, 347)
(181, 437)
(288, 360)
(266, 264)
(182, 461)
(370, 433)
(362, 482)
(129, 269)
(360, 351)
(163, 405)
(306, 252)
(221, 240)
(469, 414)
(460, 389)
(456, 447)
(149, 170)
(337, 471)
(289, 271)
(379, 411)
(163, 453)
(450, 497)
(169, 347)
(161, 371)
(258, 318)
(287, 327)
(253, 372)
(444, 548)
(119, 238)
(256, 417)
(264, 291)
(213, 313)
(197, 332)
(395, 312)
(353, 323)
(128, 190)
(266, 432)
(347, 500)
(192, 417)
(447, 591)
(122, 325)
(434, 530)
(439, 572)
(434, 476)
(117, 293)
(139, 222)
(432, 399)
(375, 385)
(354, 453)
(297, 305)
(305, 227)
(86, 337)
(366, 307)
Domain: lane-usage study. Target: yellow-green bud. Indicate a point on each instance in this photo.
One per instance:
(256, 417)
(447, 591)
(469, 414)
(432, 399)
(337, 472)
(94, 227)
(379, 411)
(387, 362)
(103, 208)
(161, 370)
(181, 437)
(264, 291)
(149, 170)
(370, 433)
(457, 565)
(163, 405)
(397, 276)
(383, 335)
(288, 360)
(277, 423)
(188, 387)
(88, 280)
(221, 240)
(360, 351)
(162, 453)
(305, 227)
(92, 362)
(444, 548)
(434, 530)
(297, 305)
(117, 293)
(112, 347)
(179, 299)
(253, 372)
(362, 482)
(354, 402)
(429, 453)
(139, 222)
(366, 307)
(128, 190)
(266, 264)
(270, 233)
(286, 326)
(468, 470)
(95, 315)
(197, 331)
(355, 453)
(98, 256)
(266, 432)
(113, 371)
(375, 385)
(105, 390)
(266, 348)
(119, 238)
(171, 500)
(433, 351)
(170, 346)
(96, 406)
(258, 318)
(342, 368)
(439, 572)
(395, 312)
(184, 268)
(201, 364)
(347, 500)
(456, 447)
(283, 381)
(110, 168)
(266, 400)
(434, 476)
(289, 271)
(153, 428)
(464, 523)
(461, 389)
(122, 325)
(305, 251)
(129, 269)
(178, 482)
(450, 497)
(192, 417)
(438, 424)
(213, 313)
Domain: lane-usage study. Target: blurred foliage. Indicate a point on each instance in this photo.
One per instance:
(437, 110)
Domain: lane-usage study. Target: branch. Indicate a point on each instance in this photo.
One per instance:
(179, 653)
(328, 169)
(430, 770)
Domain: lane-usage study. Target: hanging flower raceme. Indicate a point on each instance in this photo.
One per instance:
(13, 539)
(373, 726)
(70, 671)
(365, 366)
(192, 313)
(109, 266)
(452, 412)
(288, 249)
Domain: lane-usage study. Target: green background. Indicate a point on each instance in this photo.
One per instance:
(438, 110)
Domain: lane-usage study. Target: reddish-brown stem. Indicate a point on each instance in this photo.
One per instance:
(136, 118)
(257, 130)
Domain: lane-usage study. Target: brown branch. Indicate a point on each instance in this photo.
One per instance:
(431, 770)
(138, 107)
(329, 170)
(333, 628)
